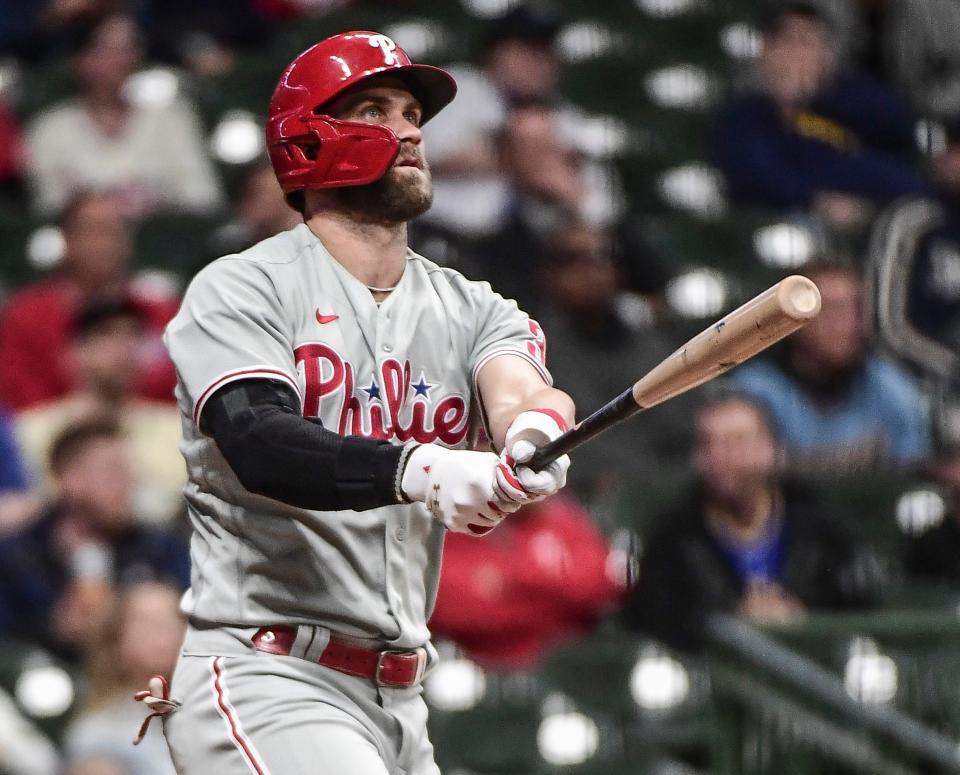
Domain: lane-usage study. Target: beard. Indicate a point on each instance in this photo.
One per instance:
(397, 197)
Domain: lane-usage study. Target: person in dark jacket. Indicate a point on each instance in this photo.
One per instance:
(59, 575)
(816, 137)
(742, 542)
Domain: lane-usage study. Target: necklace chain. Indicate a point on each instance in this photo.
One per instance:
(381, 290)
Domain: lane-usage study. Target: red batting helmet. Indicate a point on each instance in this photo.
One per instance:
(311, 150)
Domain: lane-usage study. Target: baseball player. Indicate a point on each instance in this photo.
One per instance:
(330, 380)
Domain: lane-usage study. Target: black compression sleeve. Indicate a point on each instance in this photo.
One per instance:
(276, 452)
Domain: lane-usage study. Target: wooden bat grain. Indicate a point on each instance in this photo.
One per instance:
(751, 328)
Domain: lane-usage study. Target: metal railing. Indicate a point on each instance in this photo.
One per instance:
(777, 710)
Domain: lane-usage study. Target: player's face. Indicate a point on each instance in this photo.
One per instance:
(406, 190)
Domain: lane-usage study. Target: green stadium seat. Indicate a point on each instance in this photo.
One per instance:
(175, 242)
(16, 226)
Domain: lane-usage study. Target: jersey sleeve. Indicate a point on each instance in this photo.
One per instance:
(504, 329)
(231, 326)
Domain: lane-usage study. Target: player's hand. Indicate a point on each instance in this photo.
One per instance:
(530, 430)
(457, 486)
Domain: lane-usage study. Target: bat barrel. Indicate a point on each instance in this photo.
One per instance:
(749, 329)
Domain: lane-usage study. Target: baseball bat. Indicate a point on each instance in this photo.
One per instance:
(764, 320)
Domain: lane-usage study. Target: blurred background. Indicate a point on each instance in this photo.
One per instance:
(762, 576)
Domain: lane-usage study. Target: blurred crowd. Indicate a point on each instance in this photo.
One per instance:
(839, 125)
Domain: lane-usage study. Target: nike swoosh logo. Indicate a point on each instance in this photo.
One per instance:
(321, 319)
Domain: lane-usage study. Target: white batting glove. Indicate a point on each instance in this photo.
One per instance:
(528, 431)
(457, 486)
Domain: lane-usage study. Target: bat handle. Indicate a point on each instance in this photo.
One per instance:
(609, 414)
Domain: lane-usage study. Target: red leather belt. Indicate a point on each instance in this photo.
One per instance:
(393, 669)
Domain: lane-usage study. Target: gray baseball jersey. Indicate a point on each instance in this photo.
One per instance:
(404, 370)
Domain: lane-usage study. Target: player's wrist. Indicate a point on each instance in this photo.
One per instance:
(414, 471)
(401, 466)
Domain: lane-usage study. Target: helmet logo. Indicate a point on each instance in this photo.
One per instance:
(387, 46)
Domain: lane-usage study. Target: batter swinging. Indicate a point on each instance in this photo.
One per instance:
(330, 381)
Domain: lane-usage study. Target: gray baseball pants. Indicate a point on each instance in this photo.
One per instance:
(244, 711)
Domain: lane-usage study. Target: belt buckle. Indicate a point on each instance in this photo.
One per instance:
(421, 656)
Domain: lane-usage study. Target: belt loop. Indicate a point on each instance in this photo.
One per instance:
(301, 643)
(320, 638)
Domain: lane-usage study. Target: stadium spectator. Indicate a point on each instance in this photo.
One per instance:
(59, 575)
(13, 477)
(600, 338)
(910, 44)
(37, 323)
(742, 542)
(17, 503)
(923, 58)
(817, 137)
(520, 65)
(107, 338)
(543, 576)
(140, 638)
(260, 212)
(839, 407)
(147, 155)
(40, 30)
(548, 188)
